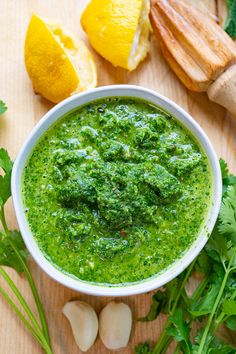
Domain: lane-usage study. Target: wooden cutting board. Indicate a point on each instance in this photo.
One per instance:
(26, 109)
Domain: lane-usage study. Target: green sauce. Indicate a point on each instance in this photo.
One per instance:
(116, 191)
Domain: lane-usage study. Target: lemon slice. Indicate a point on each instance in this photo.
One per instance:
(118, 30)
(58, 64)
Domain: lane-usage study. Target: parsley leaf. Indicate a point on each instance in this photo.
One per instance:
(227, 179)
(5, 181)
(224, 168)
(229, 307)
(180, 329)
(171, 289)
(158, 300)
(7, 254)
(219, 347)
(5, 161)
(204, 304)
(231, 323)
(204, 263)
(227, 215)
(143, 348)
(3, 107)
(198, 339)
(217, 247)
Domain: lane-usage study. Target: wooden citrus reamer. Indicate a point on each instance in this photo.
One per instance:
(199, 51)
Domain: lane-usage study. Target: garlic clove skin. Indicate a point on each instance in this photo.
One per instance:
(115, 324)
(84, 323)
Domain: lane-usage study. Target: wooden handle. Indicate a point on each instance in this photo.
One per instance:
(195, 46)
(223, 90)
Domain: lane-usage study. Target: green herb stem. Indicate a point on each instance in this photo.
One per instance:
(222, 317)
(43, 333)
(35, 293)
(210, 318)
(163, 341)
(199, 290)
(164, 338)
(3, 220)
(21, 299)
(22, 317)
(167, 343)
(189, 271)
(29, 278)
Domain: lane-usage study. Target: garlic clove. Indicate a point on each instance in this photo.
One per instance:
(84, 323)
(115, 323)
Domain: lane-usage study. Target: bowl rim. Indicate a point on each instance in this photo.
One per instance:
(176, 267)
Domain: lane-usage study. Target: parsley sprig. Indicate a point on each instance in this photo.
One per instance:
(13, 254)
(213, 303)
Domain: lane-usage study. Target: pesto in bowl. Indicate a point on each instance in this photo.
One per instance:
(116, 191)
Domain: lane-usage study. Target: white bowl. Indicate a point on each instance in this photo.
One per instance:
(178, 266)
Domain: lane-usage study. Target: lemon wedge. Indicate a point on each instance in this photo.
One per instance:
(58, 64)
(118, 30)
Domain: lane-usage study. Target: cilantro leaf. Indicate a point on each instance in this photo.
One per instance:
(143, 348)
(219, 347)
(227, 178)
(7, 254)
(204, 263)
(3, 107)
(230, 25)
(229, 307)
(224, 168)
(5, 161)
(180, 329)
(230, 180)
(171, 289)
(158, 300)
(5, 180)
(227, 215)
(231, 323)
(5, 188)
(198, 339)
(204, 304)
(217, 247)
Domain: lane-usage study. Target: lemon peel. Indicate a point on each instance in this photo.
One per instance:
(58, 64)
(118, 30)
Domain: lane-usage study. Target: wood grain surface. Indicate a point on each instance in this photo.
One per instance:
(26, 109)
